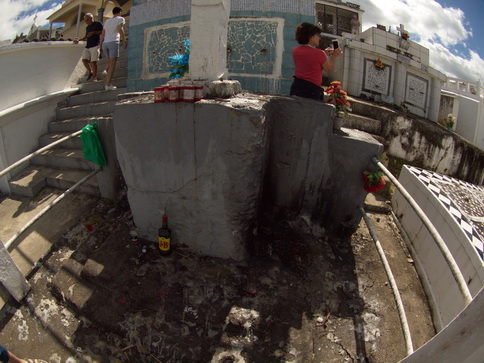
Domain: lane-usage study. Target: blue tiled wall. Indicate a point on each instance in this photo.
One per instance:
(252, 39)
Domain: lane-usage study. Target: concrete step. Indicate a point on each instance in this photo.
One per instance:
(30, 181)
(362, 123)
(63, 158)
(119, 82)
(94, 286)
(121, 70)
(72, 143)
(372, 110)
(74, 124)
(85, 110)
(94, 97)
(123, 57)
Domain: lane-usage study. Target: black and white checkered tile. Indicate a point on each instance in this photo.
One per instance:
(434, 181)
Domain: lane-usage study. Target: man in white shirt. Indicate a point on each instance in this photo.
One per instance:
(112, 33)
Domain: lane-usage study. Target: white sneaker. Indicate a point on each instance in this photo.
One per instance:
(109, 88)
(104, 73)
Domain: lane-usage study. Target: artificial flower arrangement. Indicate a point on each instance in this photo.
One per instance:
(404, 107)
(379, 64)
(405, 35)
(450, 121)
(180, 62)
(373, 181)
(337, 97)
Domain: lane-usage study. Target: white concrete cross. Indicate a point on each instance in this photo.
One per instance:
(208, 39)
(401, 29)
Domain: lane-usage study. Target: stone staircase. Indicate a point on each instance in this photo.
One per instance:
(364, 117)
(64, 165)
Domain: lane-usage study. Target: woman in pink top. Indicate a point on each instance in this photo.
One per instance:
(310, 62)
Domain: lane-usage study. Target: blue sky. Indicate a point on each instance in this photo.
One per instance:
(451, 29)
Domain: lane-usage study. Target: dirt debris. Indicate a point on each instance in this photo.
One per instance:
(301, 297)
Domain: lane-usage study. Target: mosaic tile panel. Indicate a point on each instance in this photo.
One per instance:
(252, 46)
(464, 201)
(162, 42)
(152, 11)
(416, 92)
(157, 10)
(376, 80)
(303, 7)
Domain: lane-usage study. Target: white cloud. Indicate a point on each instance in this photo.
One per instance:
(426, 18)
(434, 26)
(20, 16)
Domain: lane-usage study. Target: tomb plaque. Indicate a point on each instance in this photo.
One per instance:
(375, 79)
(416, 91)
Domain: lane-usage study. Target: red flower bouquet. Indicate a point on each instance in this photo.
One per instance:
(373, 181)
(337, 97)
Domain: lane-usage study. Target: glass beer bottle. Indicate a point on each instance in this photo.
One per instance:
(164, 237)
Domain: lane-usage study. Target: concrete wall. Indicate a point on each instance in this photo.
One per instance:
(312, 170)
(216, 165)
(468, 117)
(203, 162)
(31, 70)
(444, 296)
(424, 144)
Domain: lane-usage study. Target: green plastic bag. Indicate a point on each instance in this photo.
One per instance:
(91, 145)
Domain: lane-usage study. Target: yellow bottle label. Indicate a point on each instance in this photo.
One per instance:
(164, 244)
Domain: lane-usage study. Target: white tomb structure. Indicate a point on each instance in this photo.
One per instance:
(390, 68)
(465, 100)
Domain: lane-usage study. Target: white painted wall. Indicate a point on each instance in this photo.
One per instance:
(470, 113)
(31, 70)
(444, 296)
(208, 39)
(480, 127)
(461, 341)
(467, 117)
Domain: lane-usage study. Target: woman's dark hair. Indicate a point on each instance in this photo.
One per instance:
(305, 31)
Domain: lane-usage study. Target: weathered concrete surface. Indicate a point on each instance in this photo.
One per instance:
(203, 162)
(216, 164)
(425, 144)
(11, 277)
(208, 39)
(312, 170)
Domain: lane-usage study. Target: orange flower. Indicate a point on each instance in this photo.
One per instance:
(337, 97)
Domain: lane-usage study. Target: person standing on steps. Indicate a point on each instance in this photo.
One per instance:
(111, 35)
(90, 54)
(310, 62)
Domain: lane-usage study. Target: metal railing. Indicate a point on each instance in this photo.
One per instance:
(393, 285)
(457, 274)
(19, 291)
(454, 268)
(37, 152)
